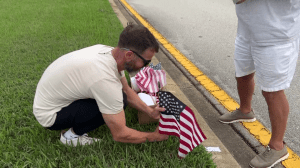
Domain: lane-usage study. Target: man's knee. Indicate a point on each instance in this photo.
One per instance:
(272, 95)
(246, 78)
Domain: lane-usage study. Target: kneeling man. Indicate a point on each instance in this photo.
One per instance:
(85, 89)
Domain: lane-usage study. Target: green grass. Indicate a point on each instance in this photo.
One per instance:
(127, 78)
(33, 34)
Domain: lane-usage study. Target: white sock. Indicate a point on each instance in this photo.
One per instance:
(70, 135)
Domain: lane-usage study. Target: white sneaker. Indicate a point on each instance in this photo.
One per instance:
(81, 140)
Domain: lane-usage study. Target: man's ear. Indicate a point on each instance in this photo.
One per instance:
(129, 55)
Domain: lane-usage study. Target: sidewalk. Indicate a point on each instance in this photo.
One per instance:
(222, 159)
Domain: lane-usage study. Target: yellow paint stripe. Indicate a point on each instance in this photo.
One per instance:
(262, 134)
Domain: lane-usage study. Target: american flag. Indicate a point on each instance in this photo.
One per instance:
(147, 79)
(179, 120)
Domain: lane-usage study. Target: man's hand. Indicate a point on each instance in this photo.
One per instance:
(135, 102)
(160, 137)
(121, 133)
(155, 113)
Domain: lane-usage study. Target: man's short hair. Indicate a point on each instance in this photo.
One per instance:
(137, 38)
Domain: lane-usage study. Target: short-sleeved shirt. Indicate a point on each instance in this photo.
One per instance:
(87, 73)
(269, 22)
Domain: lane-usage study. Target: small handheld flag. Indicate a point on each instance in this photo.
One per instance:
(179, 120)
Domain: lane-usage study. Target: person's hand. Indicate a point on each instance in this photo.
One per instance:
(155, 113)
(158, 136)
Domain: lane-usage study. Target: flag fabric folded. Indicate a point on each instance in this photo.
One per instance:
(147, 80)
(179, 120)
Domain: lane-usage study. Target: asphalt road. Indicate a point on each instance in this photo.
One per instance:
(204, 31)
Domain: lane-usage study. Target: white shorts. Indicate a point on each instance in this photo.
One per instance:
(274, 65)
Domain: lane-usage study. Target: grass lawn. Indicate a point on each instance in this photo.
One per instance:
(33, 34)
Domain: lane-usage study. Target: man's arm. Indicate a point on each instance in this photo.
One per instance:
(135, 101)
(238, 1)
(121, 133)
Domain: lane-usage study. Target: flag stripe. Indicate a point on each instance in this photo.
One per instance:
(182, 149)
(196, 125)
(189, 112)
(190, 127)
(195, 139)
(154, 82)
(189, 135)
(169, 125)
(169, 118)
(181, 154)
(186, 142)
(173, 131)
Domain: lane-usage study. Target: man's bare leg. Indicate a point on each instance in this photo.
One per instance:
(278, 111)
(245, 86)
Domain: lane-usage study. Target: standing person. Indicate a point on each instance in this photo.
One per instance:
(267, 44)
(85, 89)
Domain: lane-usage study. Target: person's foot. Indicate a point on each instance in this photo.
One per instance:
(269, 158)
(81, 140)
(237, 116)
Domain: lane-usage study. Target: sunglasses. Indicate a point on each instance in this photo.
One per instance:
(146, 62)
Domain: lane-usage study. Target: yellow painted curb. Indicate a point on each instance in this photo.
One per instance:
(262, 134)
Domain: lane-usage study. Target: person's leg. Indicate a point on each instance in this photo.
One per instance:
(82, 115)
(77, 113)
(245, 87)
(275, 70)
(275, 67)
(69, 116)
(276, 151)
(244, 71)
(87, 117)
(278, 112)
